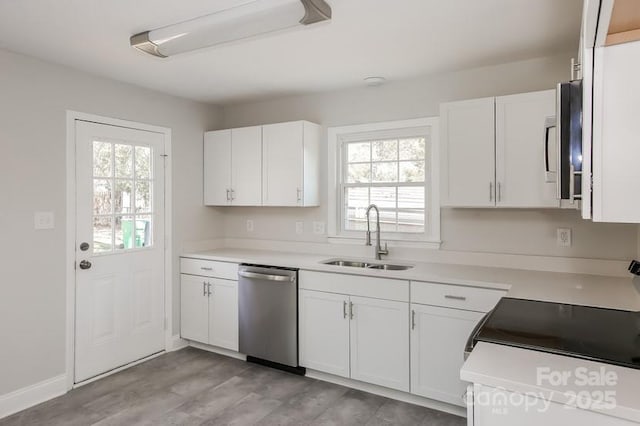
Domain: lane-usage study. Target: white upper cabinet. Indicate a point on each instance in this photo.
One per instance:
(246, 166)
(520, 150)
(271, 165)
(217, 168)
(492, 152)
(232, 167)
(467, 153)
(616, 126)
(290, 164)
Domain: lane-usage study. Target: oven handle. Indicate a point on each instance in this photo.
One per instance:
(268, 277)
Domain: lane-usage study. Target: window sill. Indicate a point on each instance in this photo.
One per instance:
(424, 244)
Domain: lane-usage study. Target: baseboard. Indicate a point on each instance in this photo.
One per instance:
(388, 393)
(29, 396)
(177, 343)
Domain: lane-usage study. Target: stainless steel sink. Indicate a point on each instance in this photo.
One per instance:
(360, 264)
(390, 267)
(350, 263)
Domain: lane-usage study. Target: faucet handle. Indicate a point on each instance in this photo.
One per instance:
(368, 239)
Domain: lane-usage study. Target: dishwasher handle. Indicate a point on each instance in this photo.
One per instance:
(268, 277)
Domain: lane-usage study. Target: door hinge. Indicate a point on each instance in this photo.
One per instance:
(164, 155)
(75, 265)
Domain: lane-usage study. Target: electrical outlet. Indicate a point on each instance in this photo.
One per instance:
(249, 225)
(564, 237)
(318, 228)
(299, 228)
(43, 220)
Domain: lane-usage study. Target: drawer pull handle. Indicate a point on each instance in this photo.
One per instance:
(448, 296)
(206, 268)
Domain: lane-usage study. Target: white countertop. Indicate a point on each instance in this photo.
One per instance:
(580, 289)
(517, 371)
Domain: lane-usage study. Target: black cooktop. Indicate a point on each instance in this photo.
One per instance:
(597, 334)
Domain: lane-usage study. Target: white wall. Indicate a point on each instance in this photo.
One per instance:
(34, 97)
(505, 231)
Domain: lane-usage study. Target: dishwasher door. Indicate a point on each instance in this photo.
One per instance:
(268, 313)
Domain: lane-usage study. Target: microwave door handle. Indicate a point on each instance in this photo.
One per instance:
(549, 123)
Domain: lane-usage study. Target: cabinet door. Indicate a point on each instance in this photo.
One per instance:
(616, 126)
(438, 338)
(282, 164)
(324, 332)
(380, 342)
(468, 153)
(246, 166)
(520, 150)
(194, 308)
(223, 314)
(217, 167)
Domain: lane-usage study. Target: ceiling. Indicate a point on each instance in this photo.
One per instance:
(397, 39)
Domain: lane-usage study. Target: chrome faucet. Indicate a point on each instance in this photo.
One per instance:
(379, 250)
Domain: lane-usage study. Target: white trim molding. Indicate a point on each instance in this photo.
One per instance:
(431, 238)
(29, 396)
(72, 116)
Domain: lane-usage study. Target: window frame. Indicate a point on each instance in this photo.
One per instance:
(337, 139)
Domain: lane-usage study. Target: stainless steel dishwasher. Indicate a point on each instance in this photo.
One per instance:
(268, 316)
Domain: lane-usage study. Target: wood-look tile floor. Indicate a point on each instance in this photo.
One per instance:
(195, 387)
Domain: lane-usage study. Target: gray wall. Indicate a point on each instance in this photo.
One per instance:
(33, 102)
(504, 231)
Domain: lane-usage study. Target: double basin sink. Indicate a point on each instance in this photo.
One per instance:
(367, 265)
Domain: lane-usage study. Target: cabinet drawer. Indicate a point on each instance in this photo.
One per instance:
(209, 268)
(454, 296)
(355, 285)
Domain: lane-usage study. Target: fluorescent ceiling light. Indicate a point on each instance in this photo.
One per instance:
(247, 20)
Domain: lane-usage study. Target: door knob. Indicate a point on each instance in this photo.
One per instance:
(85, 264)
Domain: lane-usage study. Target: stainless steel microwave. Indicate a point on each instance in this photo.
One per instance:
(568, 123)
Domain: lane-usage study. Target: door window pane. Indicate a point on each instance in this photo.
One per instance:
(102, 196)
(123, 195)
(143, 236)
(102, 234)
(143, 162)
(102, 159)
(143, 196)
(124, 160)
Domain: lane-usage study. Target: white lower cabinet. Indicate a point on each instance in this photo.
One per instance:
(438, 338)
(380, 342)
(499, 407)
(324, 332)
(194, 308)
(209, 310)
(361, 338)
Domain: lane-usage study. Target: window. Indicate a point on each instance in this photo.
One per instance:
(122, 191)
(390, 165)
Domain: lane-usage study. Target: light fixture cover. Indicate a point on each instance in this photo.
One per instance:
(245, 21)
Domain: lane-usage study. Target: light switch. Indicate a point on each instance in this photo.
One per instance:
(43, 220)
(249, 225)
(299, 228)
